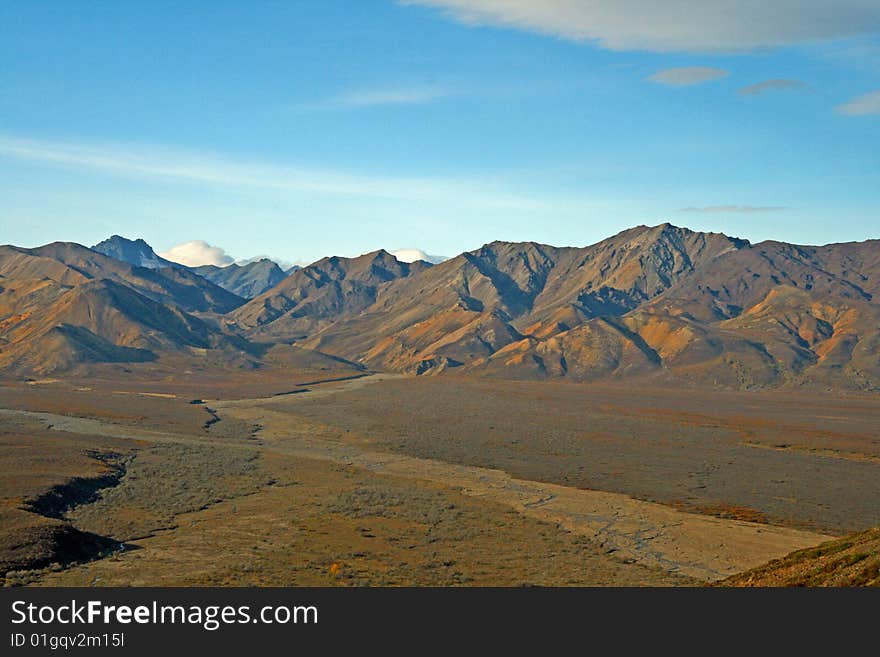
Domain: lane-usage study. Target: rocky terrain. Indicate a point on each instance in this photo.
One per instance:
(659, 303)
(247, 281)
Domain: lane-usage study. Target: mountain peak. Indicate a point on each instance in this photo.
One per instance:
(247, 280)
(135, 252)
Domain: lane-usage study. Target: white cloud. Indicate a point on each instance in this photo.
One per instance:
(411, 255)
(773, 85)
(687, 76)
(741, 209)
(284, 264)
(862, 106)
(138, 162)
(197, 253)
(673, 25)
(405, 95)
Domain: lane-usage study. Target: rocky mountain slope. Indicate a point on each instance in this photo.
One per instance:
(654, 301)
(134, 252)
(662, 302)
(63, 304)
(322, 293)
(247, 281)
(472, 306)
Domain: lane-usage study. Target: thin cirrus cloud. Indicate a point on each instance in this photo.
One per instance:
(688, 76)
(383, 97)
(734, 209)
(766, 86)
(673, 25)
(862, 106)
(207, 169)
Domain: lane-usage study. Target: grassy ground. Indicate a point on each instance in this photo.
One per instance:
(322, 524)
(785, 458)
(850, 561)
(216, 506)
(216, 509)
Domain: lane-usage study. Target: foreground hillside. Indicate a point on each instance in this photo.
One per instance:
(661, 303)
(850, 561)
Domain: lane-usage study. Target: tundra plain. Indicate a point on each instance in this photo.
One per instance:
(342, 478)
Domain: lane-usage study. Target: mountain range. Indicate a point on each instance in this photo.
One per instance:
(245, 280)
(660, 302)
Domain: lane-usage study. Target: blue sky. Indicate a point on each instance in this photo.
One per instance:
(302, 129)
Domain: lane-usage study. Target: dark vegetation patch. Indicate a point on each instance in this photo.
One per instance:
(290, 392)
(212, 420)
(425, 506)
(165, 480)
(66, 498)
(61, 498)
(33, 544)
(694, 450)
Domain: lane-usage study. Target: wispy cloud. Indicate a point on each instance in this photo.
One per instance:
(861, 106)
(400, 96)
(137, 162)
(383, 97)
(673, 25)
(735, 209)
(773, 85)
(688, 75)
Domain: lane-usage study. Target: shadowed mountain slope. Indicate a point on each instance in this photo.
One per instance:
(70, 264)
(134, 252)
(662, 302)
(63, 305)
(247, 281)
(509, 291)
(320, 294)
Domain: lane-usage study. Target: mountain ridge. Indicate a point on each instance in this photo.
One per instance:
(662, 302)
(247, 281)
(134, 252)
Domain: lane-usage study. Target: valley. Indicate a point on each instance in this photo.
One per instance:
(665, 407)
(376, 475)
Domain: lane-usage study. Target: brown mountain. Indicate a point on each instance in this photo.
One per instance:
(247, 281)
(71, 264)
(468, 308)
(63, 305)
(315, 296)
(659, 301)
(663, 302)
